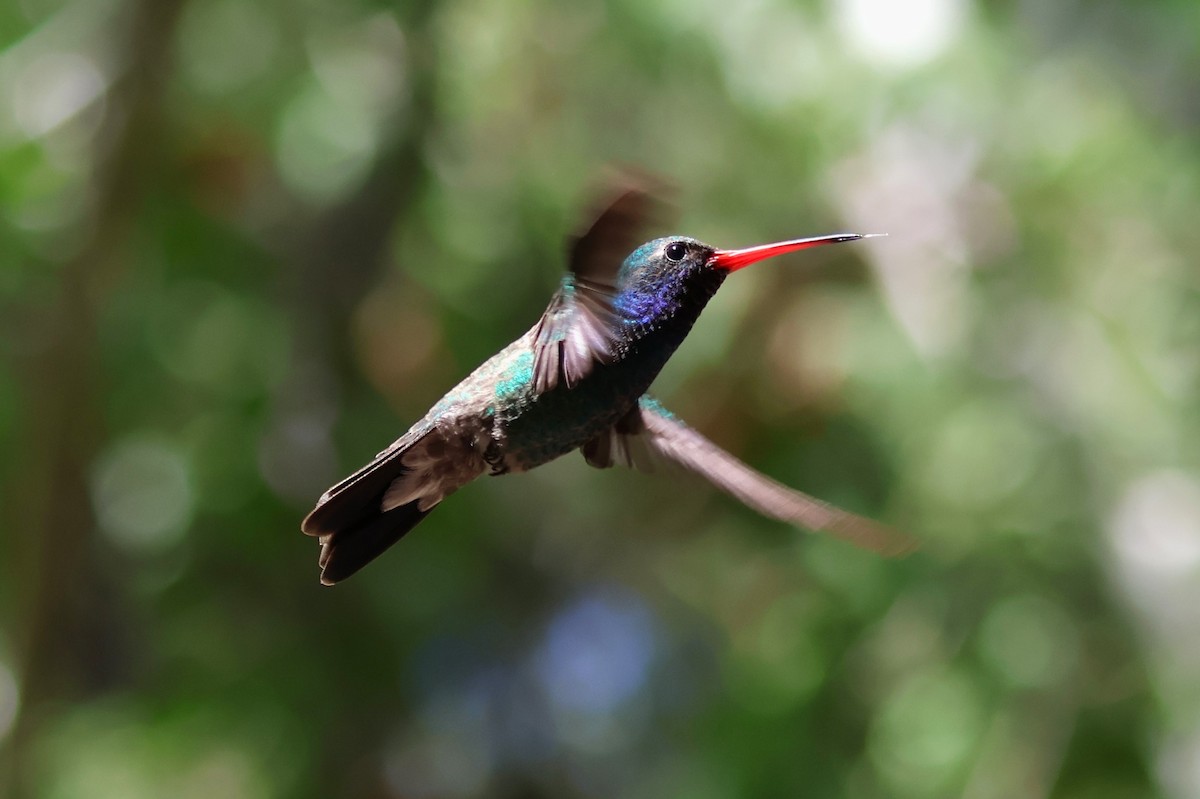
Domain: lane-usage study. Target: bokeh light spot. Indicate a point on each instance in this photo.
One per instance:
(206, 334)
(982, 453)
(142, 492)
(1029, 640)
(53, 89)
(926, 731)
(597, 652)
(325, 145)
(1156, 527)
(108, 749)
(900, 34)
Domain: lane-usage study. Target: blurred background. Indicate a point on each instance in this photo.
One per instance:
(245, 243)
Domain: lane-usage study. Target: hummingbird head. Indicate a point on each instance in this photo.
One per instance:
(676, 273)
(663, 277)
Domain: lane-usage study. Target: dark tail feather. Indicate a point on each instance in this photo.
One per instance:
(347, 550)
(349, 518)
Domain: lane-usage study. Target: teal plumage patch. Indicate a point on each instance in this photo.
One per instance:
(516, 378)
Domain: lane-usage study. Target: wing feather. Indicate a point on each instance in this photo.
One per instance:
(581, 327)
(671, 439)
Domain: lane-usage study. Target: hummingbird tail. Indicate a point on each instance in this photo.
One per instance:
(352, 520)
(345, 551)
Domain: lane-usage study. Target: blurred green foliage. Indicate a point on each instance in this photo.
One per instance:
(244, 244)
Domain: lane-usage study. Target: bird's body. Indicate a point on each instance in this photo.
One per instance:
(576, 380)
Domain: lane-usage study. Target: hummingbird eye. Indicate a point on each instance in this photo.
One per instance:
(675, 251)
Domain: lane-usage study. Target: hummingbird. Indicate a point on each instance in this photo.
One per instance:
(578, 379)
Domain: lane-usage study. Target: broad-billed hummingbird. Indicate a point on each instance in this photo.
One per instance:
(576, 380)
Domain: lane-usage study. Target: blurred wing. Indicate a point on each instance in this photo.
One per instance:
(623, 444)
(580, 328)
(596, 254)
(659, 432)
